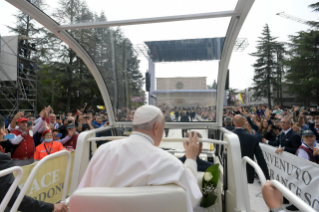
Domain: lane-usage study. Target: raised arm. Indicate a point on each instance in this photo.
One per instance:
(16, 140)
(254, 126)
(64, 140)
(40, 121)
(312, 128)
(14, 121)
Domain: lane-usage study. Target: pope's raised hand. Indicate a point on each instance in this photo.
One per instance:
(191, 149)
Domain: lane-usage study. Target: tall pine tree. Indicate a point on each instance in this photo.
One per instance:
(302, 77)
(265, 66)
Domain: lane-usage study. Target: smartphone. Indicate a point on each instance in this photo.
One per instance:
(59, 135)
(9, 136)
(29, 124)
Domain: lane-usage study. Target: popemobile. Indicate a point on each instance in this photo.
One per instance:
(139, 169)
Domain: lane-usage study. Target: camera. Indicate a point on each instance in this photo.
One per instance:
(314, 113)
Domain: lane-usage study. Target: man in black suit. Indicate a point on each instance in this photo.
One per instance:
(201, 164)
(228, 123)
(28, 204)
(276, 142)
(288, 141)
(249, 147)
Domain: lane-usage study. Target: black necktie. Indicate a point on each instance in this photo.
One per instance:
(282, 138)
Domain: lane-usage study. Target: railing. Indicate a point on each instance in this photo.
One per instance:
(13, 187)
(167, 139)
(235, 186)
(81, 160)
(301, 205)
(295, 200)
(244, 178)
(34, 171)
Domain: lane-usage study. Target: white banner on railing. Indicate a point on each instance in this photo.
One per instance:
(299, 175)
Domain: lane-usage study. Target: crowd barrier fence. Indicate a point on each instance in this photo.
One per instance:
(48, 182)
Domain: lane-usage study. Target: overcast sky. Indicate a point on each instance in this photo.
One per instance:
(241, 71)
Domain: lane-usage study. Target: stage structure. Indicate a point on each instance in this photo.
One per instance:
(204, 49)
(18, 75)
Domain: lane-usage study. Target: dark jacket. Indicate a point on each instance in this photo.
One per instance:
(291, 141)
(230, 127)
(274, 142)
(259, 134)
(28, 204)
(63, 130)
(201, 164)
(184, 119)
(312, 128)
(250, 147)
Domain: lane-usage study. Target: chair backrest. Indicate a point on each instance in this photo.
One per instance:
(134, 199)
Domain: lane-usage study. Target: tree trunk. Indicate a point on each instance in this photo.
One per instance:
(68, 97)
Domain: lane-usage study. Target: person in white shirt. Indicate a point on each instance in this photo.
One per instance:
(53, 121)
(306, 150)
(137, 160)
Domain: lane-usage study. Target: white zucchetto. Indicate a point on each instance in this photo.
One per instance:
(145, 114)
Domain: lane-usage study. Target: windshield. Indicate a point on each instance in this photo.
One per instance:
(173, 65)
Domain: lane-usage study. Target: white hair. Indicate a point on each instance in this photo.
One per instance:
(149, 125)
(287, 119)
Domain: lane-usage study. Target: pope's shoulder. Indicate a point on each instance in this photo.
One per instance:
(127, 143)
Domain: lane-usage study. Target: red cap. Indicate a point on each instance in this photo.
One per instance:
(45, 132)
(22, 119)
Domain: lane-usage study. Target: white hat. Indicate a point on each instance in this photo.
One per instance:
(145, 114)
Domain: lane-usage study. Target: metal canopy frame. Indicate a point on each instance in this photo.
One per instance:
(238, 17)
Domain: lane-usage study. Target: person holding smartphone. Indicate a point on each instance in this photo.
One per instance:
(28, 204)
(22, 145)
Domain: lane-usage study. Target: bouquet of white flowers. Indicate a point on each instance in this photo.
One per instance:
(209, 185)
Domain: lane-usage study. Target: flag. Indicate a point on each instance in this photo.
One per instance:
(239, 97)
(101, 107)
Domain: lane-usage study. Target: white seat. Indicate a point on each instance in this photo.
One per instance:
(134, 199)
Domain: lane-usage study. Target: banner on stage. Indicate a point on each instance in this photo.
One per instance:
(299, 175)
(48, 183)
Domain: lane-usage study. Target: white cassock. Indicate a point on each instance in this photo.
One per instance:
(135, 161)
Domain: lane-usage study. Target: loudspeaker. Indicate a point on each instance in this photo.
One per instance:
(227, 81)
(147, 81)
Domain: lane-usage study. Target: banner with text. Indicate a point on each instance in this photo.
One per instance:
(48, 183)
(299, 175)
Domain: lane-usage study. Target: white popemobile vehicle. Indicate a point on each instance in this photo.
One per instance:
(220, 145)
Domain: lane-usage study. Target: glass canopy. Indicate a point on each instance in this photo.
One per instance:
(182, 85)
(168, 54)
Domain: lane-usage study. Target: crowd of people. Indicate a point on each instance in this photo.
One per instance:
(47, 133)
(294, 130)
(173, 114)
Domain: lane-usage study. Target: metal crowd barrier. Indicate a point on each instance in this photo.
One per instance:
(13, 187)
(34, 171)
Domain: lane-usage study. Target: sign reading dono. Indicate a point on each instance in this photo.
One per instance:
(48, 183)
(299, 175)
